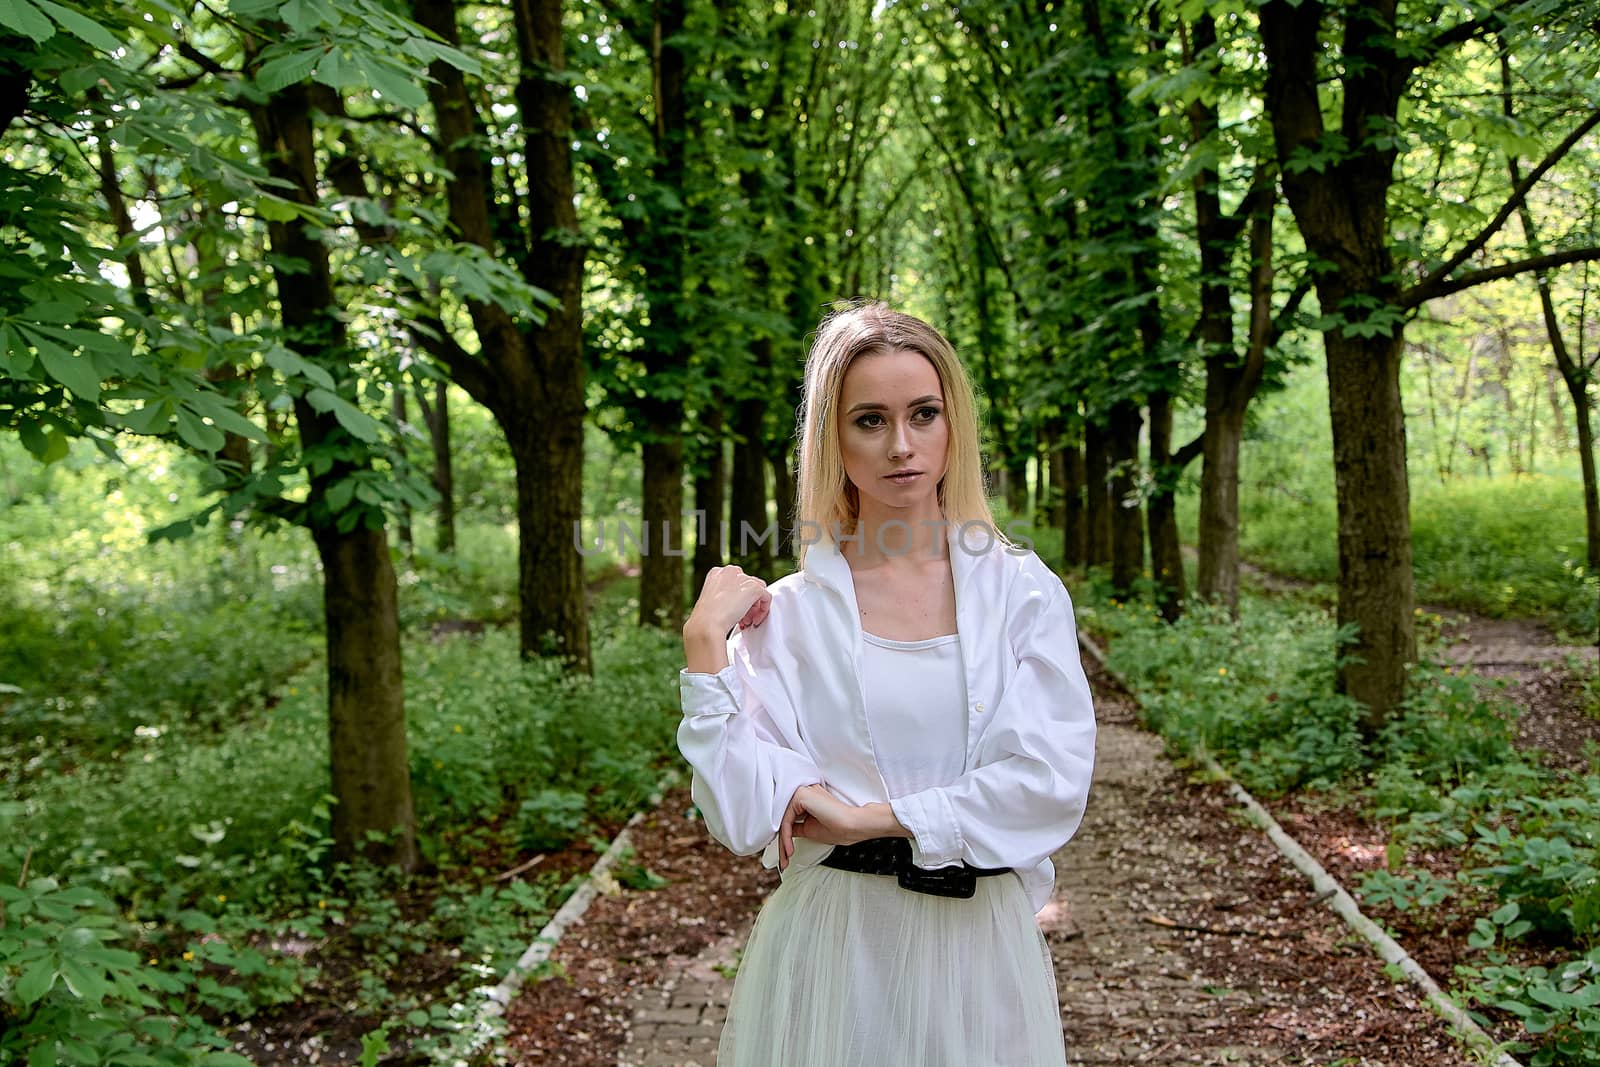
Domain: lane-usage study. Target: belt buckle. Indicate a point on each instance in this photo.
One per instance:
(958, 884)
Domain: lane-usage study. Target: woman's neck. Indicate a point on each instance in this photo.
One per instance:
(883, 535)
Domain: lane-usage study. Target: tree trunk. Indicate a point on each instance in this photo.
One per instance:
(1127, 526)
(1016, 472)
(1591, 498)
(1369, 460)
(398, 398)
(366, 706)
(710, 494)
(661, 589)
(1097, 496)
(1166, 556)
(1342, 214)
(1074, 519)
(1044, 503)
(666, 347)
(1058, 488)
(437, 416)
(748, 511)
(554, 612)
(1218, 575)
(783, 490)
(371, 778)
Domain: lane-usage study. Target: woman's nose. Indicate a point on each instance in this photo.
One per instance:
(900, 440)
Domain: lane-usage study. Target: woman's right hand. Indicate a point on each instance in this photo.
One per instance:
(729, 598)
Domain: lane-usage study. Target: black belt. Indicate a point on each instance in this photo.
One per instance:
(892, 855)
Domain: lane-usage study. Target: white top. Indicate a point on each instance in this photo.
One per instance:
(790, 710)
(915, 711)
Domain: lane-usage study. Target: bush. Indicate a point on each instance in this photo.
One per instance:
(1258, 695)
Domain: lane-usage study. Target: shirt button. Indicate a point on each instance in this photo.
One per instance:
(978, 707)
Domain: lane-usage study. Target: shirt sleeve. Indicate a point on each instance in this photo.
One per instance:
(745, 767)
(1026, 793)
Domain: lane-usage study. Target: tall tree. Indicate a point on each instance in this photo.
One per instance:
(530, 375)
(1338, 165)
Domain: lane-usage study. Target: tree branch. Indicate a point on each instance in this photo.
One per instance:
(1420, 294)
(1426, 289)
(1460, 33)
(1187, 454)
(401, 121)
(465, 369)
(1285, 316)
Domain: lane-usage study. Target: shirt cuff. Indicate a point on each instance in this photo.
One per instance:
(709, 694)
(931, 818)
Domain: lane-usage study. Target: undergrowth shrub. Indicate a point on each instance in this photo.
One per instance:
(1257, 694)
(173, 823)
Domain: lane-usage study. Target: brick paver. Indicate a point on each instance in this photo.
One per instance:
(677, 1024)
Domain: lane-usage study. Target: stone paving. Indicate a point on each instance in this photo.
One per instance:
(678, 1024)
(1134, 986)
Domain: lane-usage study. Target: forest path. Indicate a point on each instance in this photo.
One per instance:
(1179, 935)
(1540, 674)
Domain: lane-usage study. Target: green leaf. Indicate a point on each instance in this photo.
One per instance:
(152, 418)
(283, 71)
(81, 26)
(83, 981)
(15, 359)
(276, 209)
(229, 420)
(334, 72)
(77, 373)
(196, 434)
(172, 531)
(37, 979)
(356, 422)
(304, 16)
(395, 86)
(22, 15)
(339, 495)
(296, 366)
(56, 446)
(33, 438)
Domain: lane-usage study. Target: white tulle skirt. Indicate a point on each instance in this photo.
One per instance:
(850, 970)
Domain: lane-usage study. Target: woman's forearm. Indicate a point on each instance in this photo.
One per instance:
(878, 820)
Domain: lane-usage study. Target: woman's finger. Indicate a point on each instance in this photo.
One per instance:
(786, 834)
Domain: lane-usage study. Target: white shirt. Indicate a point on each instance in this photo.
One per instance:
(790, 710)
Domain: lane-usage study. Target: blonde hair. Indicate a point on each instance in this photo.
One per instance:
(825, 500)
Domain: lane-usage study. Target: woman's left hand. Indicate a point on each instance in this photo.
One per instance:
(818, 815)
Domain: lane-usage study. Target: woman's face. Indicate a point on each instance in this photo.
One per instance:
(892, 420)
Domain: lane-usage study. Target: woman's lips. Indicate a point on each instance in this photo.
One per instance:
(904, 479)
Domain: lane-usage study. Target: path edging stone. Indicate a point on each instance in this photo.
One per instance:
(1337, 897)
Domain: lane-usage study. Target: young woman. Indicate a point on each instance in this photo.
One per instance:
(903, 726)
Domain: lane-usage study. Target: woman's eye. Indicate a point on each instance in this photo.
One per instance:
(928, 414)
(866, 422)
